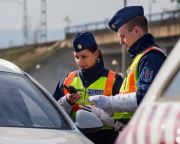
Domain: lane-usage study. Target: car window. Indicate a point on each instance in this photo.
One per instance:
(173, 88)
(22, 104)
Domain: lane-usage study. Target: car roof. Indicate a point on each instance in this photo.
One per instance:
(6, 66)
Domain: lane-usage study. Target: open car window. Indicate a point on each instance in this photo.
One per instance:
(22, 104)
(172, 90)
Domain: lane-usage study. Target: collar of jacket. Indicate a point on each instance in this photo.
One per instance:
(92, 73)
(144, 42)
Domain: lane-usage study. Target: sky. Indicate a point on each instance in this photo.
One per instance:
(78, 11)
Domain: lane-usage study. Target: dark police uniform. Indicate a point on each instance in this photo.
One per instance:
(149, 64)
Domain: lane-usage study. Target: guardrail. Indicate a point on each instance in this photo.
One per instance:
(163, 16)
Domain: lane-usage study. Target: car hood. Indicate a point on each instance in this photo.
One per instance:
(40, 136)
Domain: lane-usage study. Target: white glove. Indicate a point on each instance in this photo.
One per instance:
(100, 101)
(119, 102)
(103, 116)
(118, 126)
(123, 102)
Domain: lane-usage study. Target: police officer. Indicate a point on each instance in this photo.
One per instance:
(132, 29)
(92, 78)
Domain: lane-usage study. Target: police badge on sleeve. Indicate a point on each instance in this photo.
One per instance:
(147, 74)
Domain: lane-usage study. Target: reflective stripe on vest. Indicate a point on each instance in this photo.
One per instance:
(68, 80)
(109, 83)
(129, 83)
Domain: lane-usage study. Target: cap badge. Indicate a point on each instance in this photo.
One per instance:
(79, 46)
(113, 26)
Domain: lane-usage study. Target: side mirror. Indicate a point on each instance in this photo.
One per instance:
(87, 122)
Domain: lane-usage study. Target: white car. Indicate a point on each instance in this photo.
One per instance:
(30, 115)
(157, 120)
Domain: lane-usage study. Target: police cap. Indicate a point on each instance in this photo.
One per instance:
(124, 15)
(83, 41)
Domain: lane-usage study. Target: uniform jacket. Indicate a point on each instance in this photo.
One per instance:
(148, 66)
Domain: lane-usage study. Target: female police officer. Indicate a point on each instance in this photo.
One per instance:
(92, 78)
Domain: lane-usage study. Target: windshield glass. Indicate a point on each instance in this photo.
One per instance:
(22, 104)
(173, 89)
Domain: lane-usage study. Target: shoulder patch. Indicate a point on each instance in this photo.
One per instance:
(147, 74)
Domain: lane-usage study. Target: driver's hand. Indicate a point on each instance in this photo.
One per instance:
(72, 98)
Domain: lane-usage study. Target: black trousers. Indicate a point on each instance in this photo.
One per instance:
(103, 136)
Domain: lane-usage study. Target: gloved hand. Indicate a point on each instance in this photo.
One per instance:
(119, 102)
(100, 101)
(103, 116)
(118, 126)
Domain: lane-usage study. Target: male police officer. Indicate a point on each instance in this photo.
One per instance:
(132, 29)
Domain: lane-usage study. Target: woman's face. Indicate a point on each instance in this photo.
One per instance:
(86, 59)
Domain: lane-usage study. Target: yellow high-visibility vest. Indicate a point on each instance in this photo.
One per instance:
(102, 86)
(130, 81)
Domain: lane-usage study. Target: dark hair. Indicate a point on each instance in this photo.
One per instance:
(92, 48)
(140, 21)
(100, 57)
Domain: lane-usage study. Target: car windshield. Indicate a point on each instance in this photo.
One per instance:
(173, 89)
(22, 104)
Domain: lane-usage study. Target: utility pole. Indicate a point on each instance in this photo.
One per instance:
(25, 23)
(43, 21)
(125, 3)
(25, 19)
(150, 8)
(124, 51)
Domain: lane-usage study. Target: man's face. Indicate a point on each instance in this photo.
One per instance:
(127, 37)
